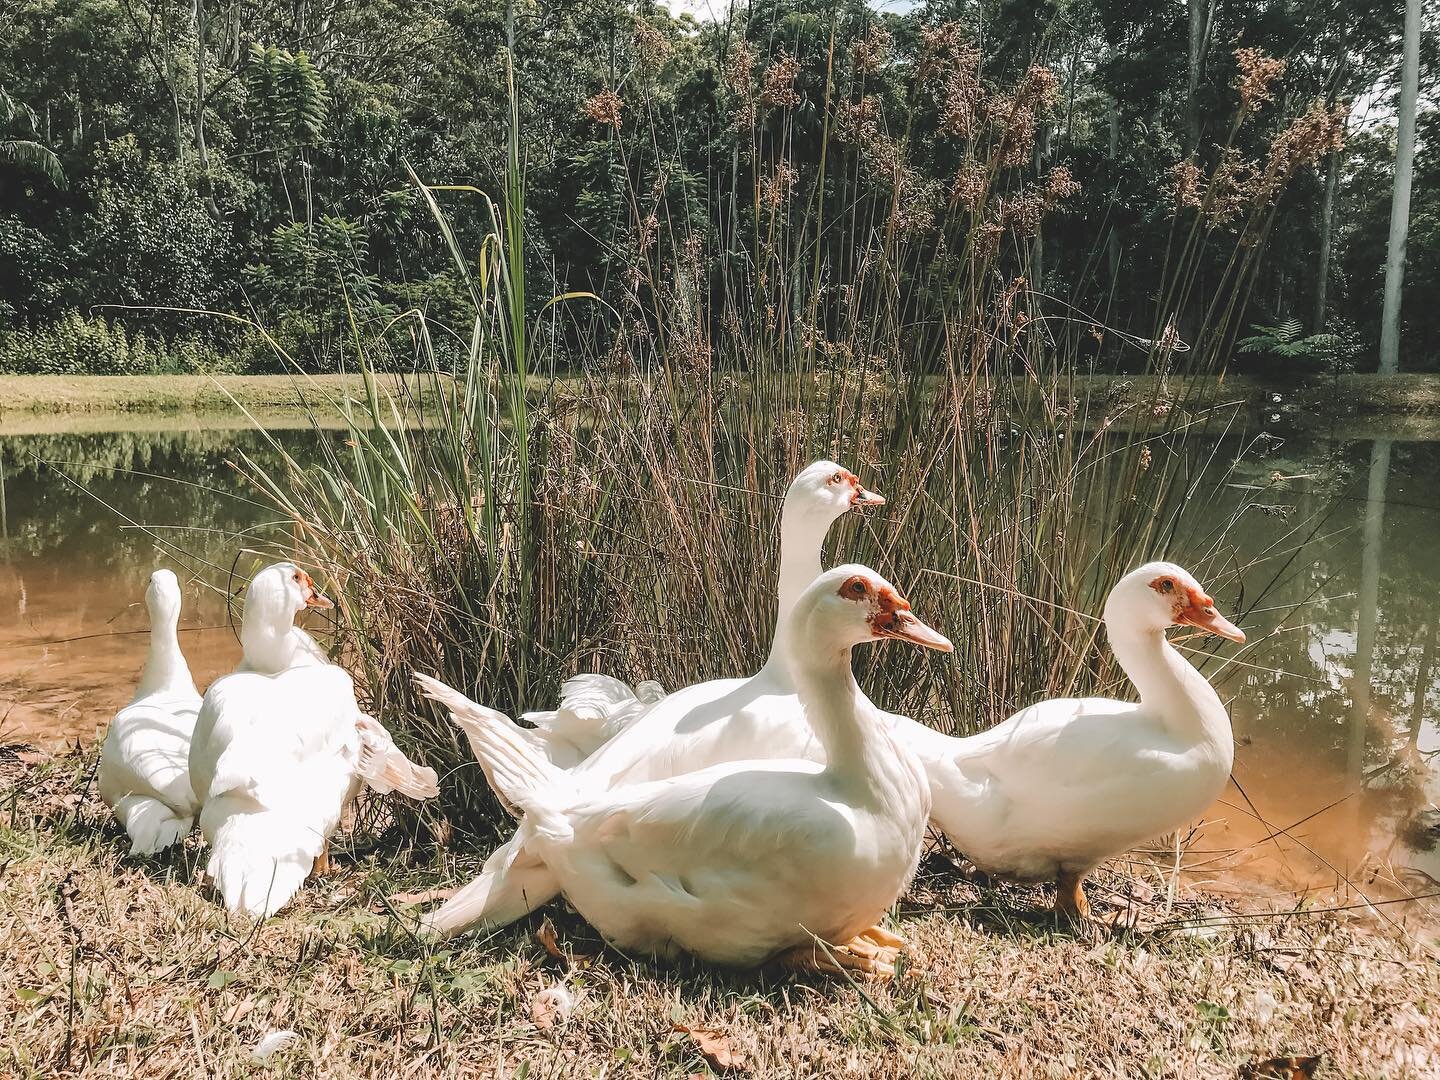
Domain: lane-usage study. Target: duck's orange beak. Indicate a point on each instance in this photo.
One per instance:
(859, 495)
(896, 620)
(904, 626)
(1201, 613)
(313, 597)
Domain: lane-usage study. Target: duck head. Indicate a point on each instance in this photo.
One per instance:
(853, 604)
(1161, 594)
(825, 490)
(162, 598)
(275, 596)
(283, 588)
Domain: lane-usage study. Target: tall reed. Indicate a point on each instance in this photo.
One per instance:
(598, 488)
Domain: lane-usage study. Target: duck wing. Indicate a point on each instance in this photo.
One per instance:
(385, 768)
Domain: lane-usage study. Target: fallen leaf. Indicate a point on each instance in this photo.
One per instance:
(1281, 1068)
(716, 1048)
(545, 934)
(238, 1011)
(551, 1006)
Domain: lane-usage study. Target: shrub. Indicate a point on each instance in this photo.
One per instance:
(83, 345)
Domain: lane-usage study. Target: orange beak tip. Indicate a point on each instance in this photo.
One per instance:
(1215, 623)
(324, 603)
(917, 633)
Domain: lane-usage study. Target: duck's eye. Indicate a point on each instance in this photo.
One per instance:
(857, 587)
(838, 478)
(1166, 585)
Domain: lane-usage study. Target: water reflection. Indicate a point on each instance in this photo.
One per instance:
(1339, 750)
(1336, 722)
(84, 519)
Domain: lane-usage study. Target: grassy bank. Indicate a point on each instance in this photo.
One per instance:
(161, 394)
(1396, 395)
(121, 966)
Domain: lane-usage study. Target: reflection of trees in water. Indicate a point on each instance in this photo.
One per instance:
(50, 517)
(1345, 698)
(1371, 551)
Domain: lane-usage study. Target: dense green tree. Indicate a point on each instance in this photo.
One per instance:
(216, 153)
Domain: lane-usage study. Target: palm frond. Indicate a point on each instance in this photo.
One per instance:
(27, 154)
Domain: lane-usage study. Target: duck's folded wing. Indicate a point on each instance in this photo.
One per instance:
(593, 709)
(383, 766)
(747, 811)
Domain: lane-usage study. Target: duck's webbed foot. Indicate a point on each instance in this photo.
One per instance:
(1070, 899)
(871, 953)
(322, 864)
(1071, 907)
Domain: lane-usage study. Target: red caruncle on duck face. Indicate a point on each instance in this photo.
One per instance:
(1192, 606)
(859, 496)
(890, 615)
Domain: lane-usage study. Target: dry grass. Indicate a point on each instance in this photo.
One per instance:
(122, 968)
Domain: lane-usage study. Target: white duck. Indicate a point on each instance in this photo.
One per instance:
(700, 725)
(144, 773)
(280, 747)
(744, 861)
(595, 708)
(1067, 783)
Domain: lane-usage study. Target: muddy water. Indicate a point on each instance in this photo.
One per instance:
(1336, 702)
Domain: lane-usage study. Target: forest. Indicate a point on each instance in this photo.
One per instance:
(162, 161)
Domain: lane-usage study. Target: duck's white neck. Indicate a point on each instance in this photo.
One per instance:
(802, 538)
(165, 669)
(1171, 688)
(859, 752)
(265, 636)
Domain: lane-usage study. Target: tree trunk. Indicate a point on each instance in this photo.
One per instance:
(1327, 222)
(1037, 258)
(202, 155)
(1400, 202)
(1197, 10)
(1371, 547)
(1112, 241)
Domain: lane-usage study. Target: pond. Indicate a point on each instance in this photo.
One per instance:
(1337, 739)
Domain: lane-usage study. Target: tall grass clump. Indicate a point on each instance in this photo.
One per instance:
(599, 487)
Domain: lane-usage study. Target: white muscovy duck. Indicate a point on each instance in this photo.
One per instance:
(595, 708)
(280, 747)
(700, 725)
(748, 860)
(1067, 783)
(144, 774)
